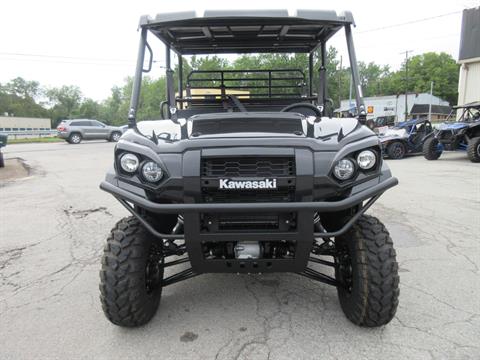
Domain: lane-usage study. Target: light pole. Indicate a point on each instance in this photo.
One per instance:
(406, 81)
(430, 103)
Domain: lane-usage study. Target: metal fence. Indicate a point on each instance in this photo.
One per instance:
(25, 134)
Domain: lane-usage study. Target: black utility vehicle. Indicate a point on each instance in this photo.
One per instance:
(461, 135)
(248, 174)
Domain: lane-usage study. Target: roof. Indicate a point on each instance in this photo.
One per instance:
(475, 104)
(245, 31)
(436, 109)
(469, 44)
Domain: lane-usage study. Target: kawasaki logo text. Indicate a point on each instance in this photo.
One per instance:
(248, 184)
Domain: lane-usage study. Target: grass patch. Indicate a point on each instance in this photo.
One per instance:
(34, 140)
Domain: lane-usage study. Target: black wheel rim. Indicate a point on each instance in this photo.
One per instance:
(478, 150)
(397, 150)
(154, 270)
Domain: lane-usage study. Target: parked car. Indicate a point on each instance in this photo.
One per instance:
(405, 138)
(461, 135)
(249, 184)
(74, 131)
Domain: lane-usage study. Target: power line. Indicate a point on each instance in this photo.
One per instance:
(52, 61)
(409, 22)
(63, 57)
(59, 59)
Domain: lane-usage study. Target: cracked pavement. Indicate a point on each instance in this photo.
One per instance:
(53, 225)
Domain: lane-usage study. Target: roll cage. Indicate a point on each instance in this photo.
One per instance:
(469, 112)
(234, 31)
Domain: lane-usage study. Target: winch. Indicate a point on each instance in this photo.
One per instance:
(247, 250)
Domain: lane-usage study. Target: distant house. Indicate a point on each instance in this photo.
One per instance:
(469, 57)
(438, 112)
(392, 107)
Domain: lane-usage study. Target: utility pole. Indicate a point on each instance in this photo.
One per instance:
(406, 81)
(430, 103)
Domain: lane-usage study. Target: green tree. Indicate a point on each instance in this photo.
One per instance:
(88, 109)
(440, 68)
(65, 101)
(114, 110)
(372, 77)
(209, 63)
(18, 98)
(24, 89)
(109, 110)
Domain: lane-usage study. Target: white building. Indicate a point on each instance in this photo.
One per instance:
(24, 127)
(392, 105)
(469, 57)
(15, 124)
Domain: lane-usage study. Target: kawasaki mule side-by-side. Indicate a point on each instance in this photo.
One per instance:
(246, 172)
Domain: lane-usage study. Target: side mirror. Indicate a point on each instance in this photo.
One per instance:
(150, 59)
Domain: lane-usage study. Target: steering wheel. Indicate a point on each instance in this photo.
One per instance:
(307, 107)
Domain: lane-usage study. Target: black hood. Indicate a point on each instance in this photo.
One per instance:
(250, 129)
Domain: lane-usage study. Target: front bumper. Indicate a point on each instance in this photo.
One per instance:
(321, 206)
(303, 236)
(62, 134)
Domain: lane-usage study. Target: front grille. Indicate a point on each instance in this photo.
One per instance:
(248, 167)
(248, 222)
(243, 222)
(222, 196)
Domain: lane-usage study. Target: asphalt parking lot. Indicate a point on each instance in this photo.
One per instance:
(53, 224)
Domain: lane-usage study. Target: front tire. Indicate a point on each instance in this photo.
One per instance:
(431, 149)
(131, 275)
(368, 271)
(473, 149)
(396, 150)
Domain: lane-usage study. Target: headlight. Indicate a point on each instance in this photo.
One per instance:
(344, 169)
(152, 172)
(129, 162)
(366, 159)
